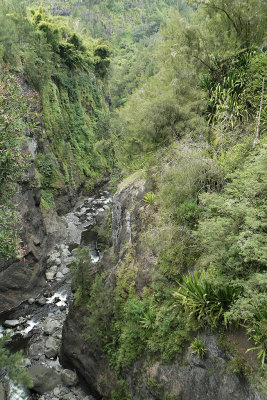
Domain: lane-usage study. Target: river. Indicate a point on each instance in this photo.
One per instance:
(36, 326)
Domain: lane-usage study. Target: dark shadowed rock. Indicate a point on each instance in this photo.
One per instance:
(79, 354)
(23, 279)
(69, 377)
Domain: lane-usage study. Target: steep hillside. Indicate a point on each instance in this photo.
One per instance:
(169, 99)
(52, 103)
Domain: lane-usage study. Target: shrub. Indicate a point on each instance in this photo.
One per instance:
(258, 333)
(198, 347)
(149, 198)
(206, 301)
(81, 273)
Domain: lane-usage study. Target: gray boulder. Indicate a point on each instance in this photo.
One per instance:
(50, 326)
(51, 348)
(11, 323)
(69, 378)
(44, 379)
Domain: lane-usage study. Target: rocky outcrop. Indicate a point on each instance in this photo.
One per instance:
(188, 377)
(88, 361)
(24, 278)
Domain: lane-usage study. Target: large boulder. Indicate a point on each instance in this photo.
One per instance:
(50, 326)
(51, 350)
(44, 379)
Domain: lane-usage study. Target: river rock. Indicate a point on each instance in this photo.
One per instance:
(50, 326)
(44, 379)
(41, 301)
(69, 377)
(50, 275)
(11, 323)
(31, 300)
(53, 257)
(51, 348)
(65, 271)
(59, 275)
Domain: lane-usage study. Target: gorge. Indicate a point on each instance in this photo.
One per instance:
(133, 183)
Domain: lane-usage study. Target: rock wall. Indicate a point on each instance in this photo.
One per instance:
(24, 278)
(188, 377)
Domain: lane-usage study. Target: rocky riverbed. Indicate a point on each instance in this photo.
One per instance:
(36, 325)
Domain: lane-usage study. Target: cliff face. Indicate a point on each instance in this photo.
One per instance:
(24, 278)
(187, 376)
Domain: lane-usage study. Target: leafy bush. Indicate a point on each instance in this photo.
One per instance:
(47, 167)
(14, 364)
(258, 333)
(149, 198)
(232, 233)
(198, 347)
(14, 118)
(81, 274)
(205, 300)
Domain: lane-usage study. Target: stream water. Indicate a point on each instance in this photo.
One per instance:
(37, 325)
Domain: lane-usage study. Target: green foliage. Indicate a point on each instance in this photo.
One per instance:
(104, 233)
(204, 300)
(258, 333)
(81, 274)
(47, 200)
(233, 233)
(102, 60)
(47, 167)
(14, 364)
(242, 20)
(14, 118)
(149, 198)
(256, 71)
(121, 392)
(60, 65)
(238, 365)
(187, 213)
(198, 347)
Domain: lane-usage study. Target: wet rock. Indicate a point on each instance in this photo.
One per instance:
(11, 323)
(65, 271)
(35, 350)
(44, 379)
(51, 348)
(50, 326)
(41, 301)
(69, 378)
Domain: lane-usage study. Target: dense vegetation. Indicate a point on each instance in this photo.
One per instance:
(195, 128)
(187, 111)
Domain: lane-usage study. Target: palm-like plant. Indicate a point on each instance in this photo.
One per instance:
(203, 299)
(258, 333)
